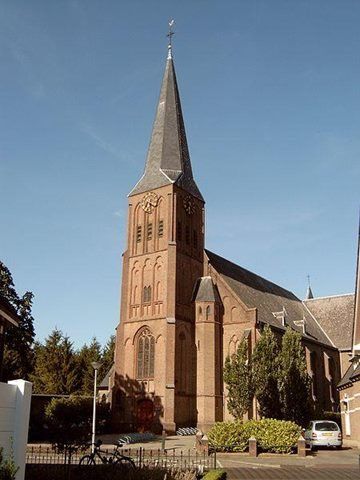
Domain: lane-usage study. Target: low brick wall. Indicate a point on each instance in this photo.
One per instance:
(75, 472)
(100, 472)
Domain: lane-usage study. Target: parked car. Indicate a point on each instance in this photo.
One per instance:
(323, 433)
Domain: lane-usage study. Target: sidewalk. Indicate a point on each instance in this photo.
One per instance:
(176, 442)
(321, 458)
(323, 464)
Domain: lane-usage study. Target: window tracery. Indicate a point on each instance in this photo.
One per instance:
(145, 354)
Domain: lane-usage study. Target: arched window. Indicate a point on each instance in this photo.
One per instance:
(313, 374)
(145, 355)
(208, 312)
(331, 367)
(183, 359)
(147, 294)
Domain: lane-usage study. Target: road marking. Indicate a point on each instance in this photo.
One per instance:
(252, 464)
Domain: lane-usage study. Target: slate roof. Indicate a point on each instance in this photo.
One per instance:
(267, 297)
(205, 291)
(104, 384)
(336, 316)
(168, 159)
(309, 293)
(356, 329)
(351, 375)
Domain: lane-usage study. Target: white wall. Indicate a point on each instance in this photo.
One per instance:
(15, 398)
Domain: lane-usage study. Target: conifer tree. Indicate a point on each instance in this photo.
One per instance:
(237, 376)
(19, 341)
(87, 355)
(107, 356)
(265, 372)
(294, 381)
(55, 369)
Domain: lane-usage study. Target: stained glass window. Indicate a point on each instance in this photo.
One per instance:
(145, 355)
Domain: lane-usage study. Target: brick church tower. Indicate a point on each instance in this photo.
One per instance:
(184, 309)
(154, 384)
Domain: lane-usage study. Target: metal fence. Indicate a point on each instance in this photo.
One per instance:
(142, 457)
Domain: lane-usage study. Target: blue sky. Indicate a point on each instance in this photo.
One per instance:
(270, 94)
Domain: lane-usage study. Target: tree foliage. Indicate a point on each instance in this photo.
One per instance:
(238, 378)
(107, 357)
(18, 351)
(69, 420)
(55, 369)
(277, 377)
(86, 355)
(265, 372)
(62, 370)
(294, 381)
(8, 468)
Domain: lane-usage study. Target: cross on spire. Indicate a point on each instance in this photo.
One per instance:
(170, 34)
(309, 293)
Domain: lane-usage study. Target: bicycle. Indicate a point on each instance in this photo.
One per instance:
(115, 458)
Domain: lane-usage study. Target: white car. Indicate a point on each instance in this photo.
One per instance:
(323, 433)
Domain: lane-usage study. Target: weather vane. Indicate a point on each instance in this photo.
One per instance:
(170, 34)
(308, 278)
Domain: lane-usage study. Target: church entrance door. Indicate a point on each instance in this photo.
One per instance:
(144, 415)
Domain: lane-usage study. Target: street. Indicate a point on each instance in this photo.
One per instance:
(323, 464)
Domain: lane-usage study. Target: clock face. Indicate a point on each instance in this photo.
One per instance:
(189, 205)
(149, 202)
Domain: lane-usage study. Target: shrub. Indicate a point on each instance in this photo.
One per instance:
(8, 469)
(227, 437)
(275, 436)
(215, 475)
(69, 420)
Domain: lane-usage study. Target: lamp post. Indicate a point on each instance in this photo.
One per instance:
(96, 366)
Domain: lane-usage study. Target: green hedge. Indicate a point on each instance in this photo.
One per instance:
(215, 475)
(275, 436)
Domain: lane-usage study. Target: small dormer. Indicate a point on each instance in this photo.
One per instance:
(281, 316)
(302, 324)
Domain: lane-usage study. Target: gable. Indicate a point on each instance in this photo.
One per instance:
(336, 316)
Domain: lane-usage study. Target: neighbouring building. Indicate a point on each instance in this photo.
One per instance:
(184, 308)
(8, 319)
(349, 385)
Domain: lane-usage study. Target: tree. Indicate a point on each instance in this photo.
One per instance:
(69, 421)
(55, 366)
(237, 376)
(85, 357)
(294, 381)
(265, 372)
(18, 352)
(107, 356)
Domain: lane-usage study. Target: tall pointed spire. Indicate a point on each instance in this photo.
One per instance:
(309, 293)
(356, 331)
(168, 159)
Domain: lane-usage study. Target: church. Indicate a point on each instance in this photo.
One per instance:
(184, 309)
